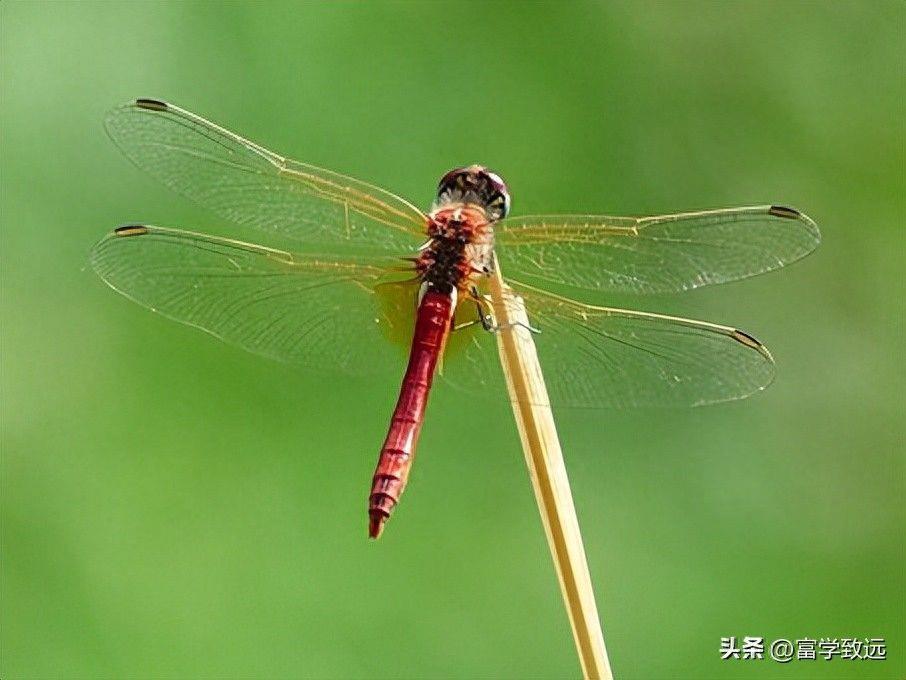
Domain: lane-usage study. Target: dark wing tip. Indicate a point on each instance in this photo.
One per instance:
(751, 341)
(746, 339)
(131, 230)
(784, 211)
(804, 220)
(151, 104)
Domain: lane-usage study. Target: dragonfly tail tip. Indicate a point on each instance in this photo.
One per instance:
(376, 521)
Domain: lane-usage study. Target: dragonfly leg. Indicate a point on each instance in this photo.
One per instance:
(485, 313)
(486, 320)
(486, 316)
(496, 328)
(465, 324)
(519, 324)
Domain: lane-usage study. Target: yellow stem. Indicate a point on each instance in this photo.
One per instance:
(547, 470)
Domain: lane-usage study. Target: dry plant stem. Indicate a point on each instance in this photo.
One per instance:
(544, 458)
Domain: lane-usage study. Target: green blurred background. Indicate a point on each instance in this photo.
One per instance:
(173, 507)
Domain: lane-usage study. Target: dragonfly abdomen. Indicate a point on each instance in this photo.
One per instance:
(432, 326)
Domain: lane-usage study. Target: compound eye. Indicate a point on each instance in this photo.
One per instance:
(453, 179)
(499, 196)
(499, 205)
(497, 181)
(506, 205)
(475, 184)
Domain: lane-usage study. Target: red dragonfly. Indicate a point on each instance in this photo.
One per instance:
(368, 260)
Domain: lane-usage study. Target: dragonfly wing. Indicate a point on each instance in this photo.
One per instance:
(661, 254)
(602, 357)
(319, 312)
(249, 185)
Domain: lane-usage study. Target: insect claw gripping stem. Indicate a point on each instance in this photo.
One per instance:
(487, 322)
(486, 316)
(519, 324)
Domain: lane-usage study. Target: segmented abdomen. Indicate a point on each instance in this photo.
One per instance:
(432, 326)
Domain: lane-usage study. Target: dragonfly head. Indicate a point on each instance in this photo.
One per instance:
(477, 185)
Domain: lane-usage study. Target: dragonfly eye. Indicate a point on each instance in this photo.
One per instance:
(474, 184)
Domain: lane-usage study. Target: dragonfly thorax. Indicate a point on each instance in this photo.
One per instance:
(460, 248)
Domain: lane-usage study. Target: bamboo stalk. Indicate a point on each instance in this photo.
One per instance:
(544, 458)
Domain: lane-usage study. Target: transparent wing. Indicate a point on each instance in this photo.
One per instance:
(319, 312)
(601, 357)
(654, 254)
(250, 185)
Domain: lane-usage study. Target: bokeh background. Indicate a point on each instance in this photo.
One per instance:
(173, 507)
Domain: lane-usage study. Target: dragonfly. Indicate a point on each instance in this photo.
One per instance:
(351, 270)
